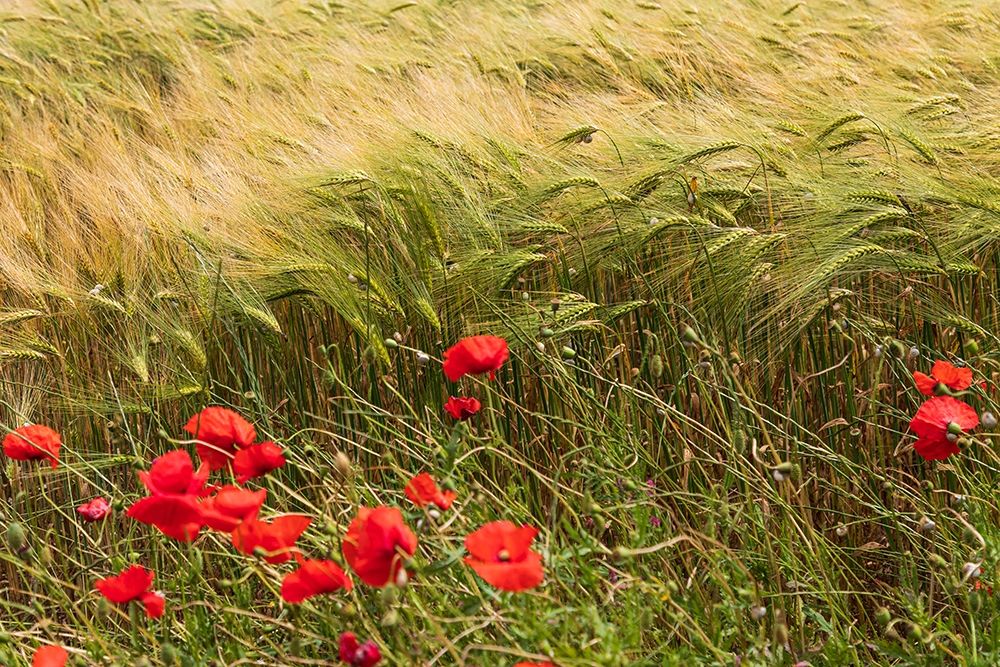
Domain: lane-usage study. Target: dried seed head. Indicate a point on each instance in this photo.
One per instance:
(841, 530)
(423, 358)
(988, 419)
(759, 612)
(971, 571)
(779, 476)
(926, 525)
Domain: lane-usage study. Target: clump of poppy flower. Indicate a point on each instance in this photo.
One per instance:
(175, 489)
(94, 510)
(500, 553)
(220, 432)
(33, 442)
(944, 377)
(939, 425)
(475, 355)
(462, 408)
(50, 656)
(313, 577)
(358, 654)
(377, 544)
(422, 490)
(134, 584)
(274, 539)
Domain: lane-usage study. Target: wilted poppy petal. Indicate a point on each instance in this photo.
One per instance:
(94, 510)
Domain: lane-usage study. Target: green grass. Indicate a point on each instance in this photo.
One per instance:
(268, 191)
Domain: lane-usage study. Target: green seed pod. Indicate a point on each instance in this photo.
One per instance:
(656, 366)
(689, 336)
(168, 654)
(17, 540)
(972, 348)
(391, 343)
(546, 332)
(883, 616)
(568, 352)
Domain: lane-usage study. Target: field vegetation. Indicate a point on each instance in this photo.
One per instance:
(719, 238)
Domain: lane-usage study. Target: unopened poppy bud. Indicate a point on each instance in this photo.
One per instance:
(45, 556)
(168, 654)
(587, 138)
(758, 612)
(972, 347)
(656, 365)
(989, 420)
(916, 632)
(391, 343)
(343, 464)
(937, 561)
(391, 619)
(423, 358)
(259, 552)
(546, 332)
(689, 335)
(883, 616)
(568, 352)
(118, 504)
(954, 428)
(17, 540)
(434, 514)
(525, 296)
(389, 596)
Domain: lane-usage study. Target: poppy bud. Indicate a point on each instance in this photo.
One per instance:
(988, 419)
(951, 437)
(972, 348)
(389, 595)
(391, 343)
(689, 335)
(568, 352)
(45, 557)
(971, 571)
(785, 468)
(937, 561)
(554, 305)
(390, 619)
(16, 538)
(546, 332)
(656, 365)
(168, 654)
(587, 138)
(118, 504)
(954, 429)
(878, 351)
(778, 475)
(883, 616)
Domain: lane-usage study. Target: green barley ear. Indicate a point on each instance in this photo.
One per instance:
(578, 135)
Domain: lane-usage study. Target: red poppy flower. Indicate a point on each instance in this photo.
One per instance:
(173, 474)
(462, 408)
(535, 664)
(256, 461)
(231, 506)
(475, 355)
(314, 577)
(423, 491)
(276, 538)
(176, 516)
(95, 510)
(936, 420)
(32, 443)
(50, 656)
(356, 654)
(943, 373)
(133, 583)
(501, 554)
(220, 432)
(377, 543)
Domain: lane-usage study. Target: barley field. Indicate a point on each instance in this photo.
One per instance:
(689, 310)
